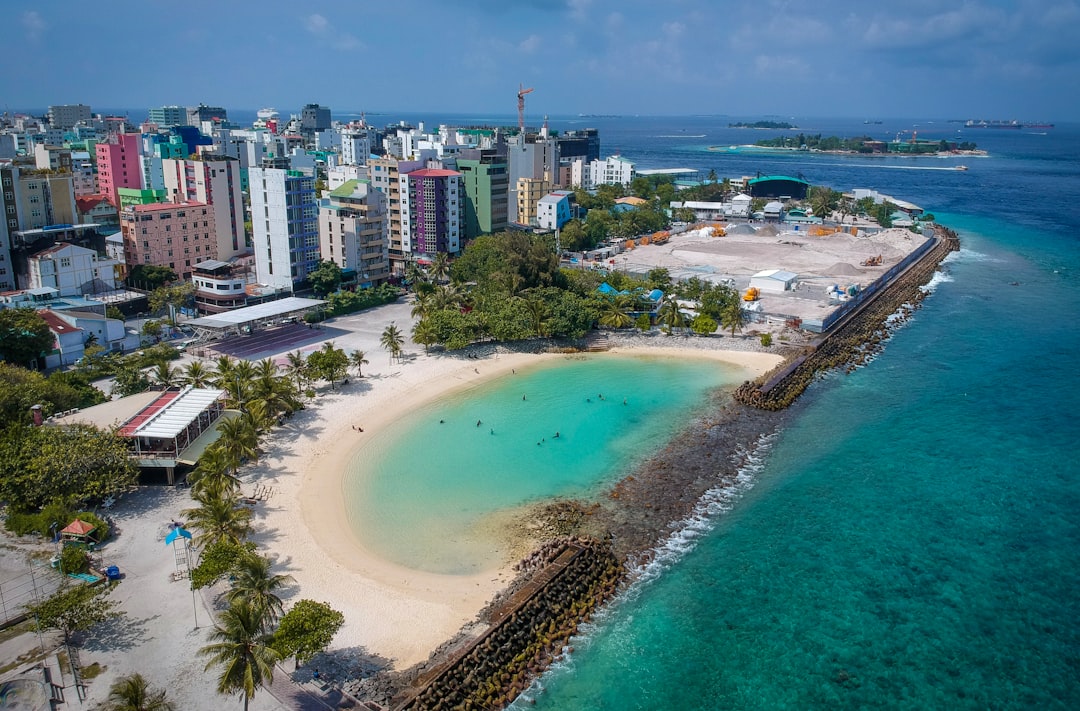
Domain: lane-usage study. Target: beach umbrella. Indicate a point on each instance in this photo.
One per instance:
(177, 532)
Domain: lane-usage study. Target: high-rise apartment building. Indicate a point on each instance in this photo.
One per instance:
(352, 231)
(197, 114)
(285, 226)
(431, 206)
(314, 118)
(486, 182)
(215, 181)
(174, 235)
(119, 165)
(385, 176)
(168, 116)
(65, 116)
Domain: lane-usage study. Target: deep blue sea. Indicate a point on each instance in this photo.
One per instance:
(912, 539)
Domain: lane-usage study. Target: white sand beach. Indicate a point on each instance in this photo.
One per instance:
(393, 615)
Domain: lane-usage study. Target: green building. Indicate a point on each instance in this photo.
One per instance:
(136, 196)
(487, 195)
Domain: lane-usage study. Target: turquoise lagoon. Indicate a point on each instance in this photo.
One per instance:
(426, 492)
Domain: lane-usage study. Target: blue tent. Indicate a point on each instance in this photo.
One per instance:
(606, 288)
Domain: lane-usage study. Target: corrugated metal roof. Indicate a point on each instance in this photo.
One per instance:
(171, 413)
(255, 313)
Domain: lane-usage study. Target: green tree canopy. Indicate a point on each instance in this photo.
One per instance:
(329, 363)
(74, 608)
(24, 336)
(241, 648)
(325, 278)
(149, 277)
(306, 629)
(513, 258)
(176, 295)
(20, 389)
(41, 465)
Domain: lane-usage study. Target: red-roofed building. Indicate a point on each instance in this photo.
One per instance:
(174, 235)
(96, 209)
(70, 340)
(432, 205)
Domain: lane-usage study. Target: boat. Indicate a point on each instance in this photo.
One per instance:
(960, 167)
(994, 123)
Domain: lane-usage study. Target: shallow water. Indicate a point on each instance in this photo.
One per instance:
(422, 494)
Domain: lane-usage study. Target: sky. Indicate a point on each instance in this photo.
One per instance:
(999, 59)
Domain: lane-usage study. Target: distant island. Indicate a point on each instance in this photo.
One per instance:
(865, 144)
(762, 124)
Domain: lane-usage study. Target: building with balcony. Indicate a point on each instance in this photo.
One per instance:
(216, 182)
(285, 226)
(486, 182)
(174, 235)
(432, 204)
(65, 116)
(529, 191)
(352, 232)
(219, 286)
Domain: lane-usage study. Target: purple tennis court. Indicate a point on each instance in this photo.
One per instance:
(271, 341)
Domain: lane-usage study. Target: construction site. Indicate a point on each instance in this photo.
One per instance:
(788, 275)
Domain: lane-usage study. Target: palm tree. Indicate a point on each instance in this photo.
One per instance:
(732, 316)
(448, 296)
(440, 266)
(240, 439)
(164, 375)
(359, 360)
(613, 315)
(266, 368)
(414, 273)
(242, 647)
(132, 693)
(392, 341)
(196, 375)
(669, 315)
(538, 315)
(212, 474)
(223, 370)
(255, 585)
(424, 333)
(218, 518)
(297, 369)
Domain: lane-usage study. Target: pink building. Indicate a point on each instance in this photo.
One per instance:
(174, 235)
(119, 165)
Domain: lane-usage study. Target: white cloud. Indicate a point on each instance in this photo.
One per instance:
(578, 8)
(530, 44)
(34, 24)
(319, 26)
(316, 24)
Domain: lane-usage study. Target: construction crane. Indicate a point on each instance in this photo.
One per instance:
(522, 91)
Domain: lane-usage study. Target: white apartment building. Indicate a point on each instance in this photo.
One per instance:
(67, 115)
(71, 270)
(341, 174)
(613, 170)
(353, 231)
(216, 182)
(355, 146)
(285, 226)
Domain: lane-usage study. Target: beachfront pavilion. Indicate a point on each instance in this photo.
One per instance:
(251, 318)
(163, 428)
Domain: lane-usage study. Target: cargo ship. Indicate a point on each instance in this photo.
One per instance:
(982, 123)
(1038, 125)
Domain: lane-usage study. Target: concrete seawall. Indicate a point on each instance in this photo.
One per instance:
(527, 631)
(856, 335)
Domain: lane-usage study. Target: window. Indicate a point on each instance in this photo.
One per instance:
(65, 262)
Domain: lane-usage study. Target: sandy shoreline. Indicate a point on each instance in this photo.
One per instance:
(394, 612)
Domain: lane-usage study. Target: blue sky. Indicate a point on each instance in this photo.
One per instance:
(979, 58)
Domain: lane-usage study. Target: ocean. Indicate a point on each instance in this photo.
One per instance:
(912, 539)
